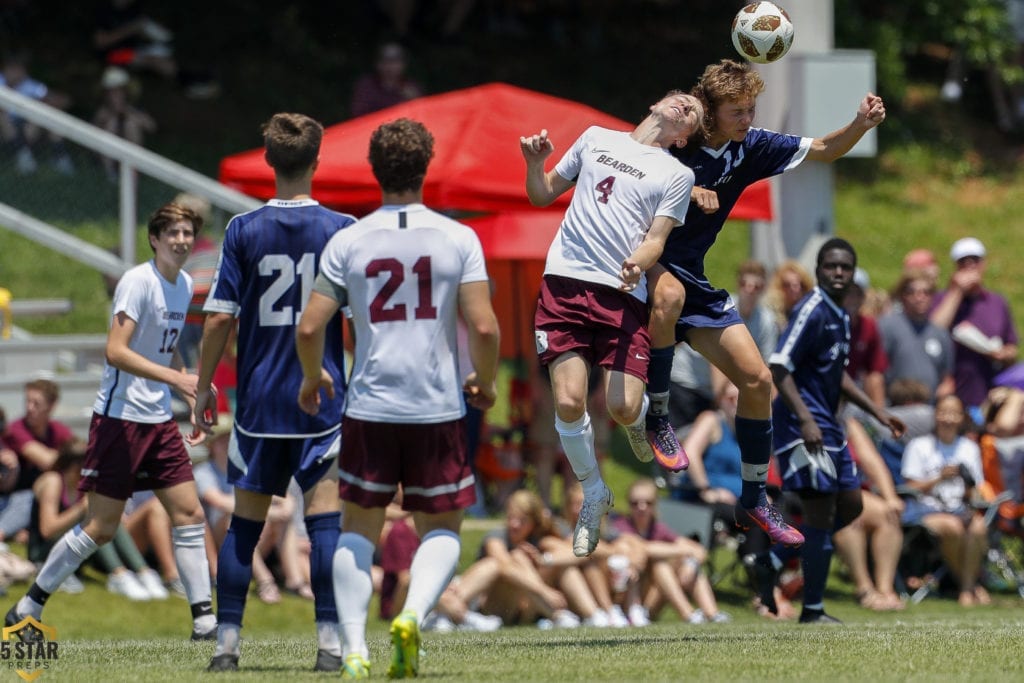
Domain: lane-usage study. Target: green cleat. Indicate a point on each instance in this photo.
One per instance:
(405, 636)
(355, 667)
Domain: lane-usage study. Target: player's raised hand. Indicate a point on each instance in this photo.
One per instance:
(536, 147)
(872, 109)
(705, 199)
(309, 392)
(630, 275)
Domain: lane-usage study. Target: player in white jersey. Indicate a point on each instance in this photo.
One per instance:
(630, 194)
(267, 267)
(405, 272)
(134, 442)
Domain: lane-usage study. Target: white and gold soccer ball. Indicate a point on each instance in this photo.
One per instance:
(762, 32)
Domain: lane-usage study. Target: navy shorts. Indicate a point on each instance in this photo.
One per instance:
(829, 472)
(263, 465)
(705, 306)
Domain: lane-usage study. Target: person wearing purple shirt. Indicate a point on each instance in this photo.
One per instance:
(980, 322)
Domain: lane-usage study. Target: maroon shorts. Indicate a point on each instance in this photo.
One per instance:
(608, 328)
(428, 460)
(123, 457)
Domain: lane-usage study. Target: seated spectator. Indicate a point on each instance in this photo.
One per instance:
(386, 85)
(512, 578)
(614, 583)
(59, 506)
(37, 440)
(673, 563)
(980, 323)
(944, 468)
(23, 137)
(917, 349)
(118, 115)
(789, 283)
(875, 538)
(393, 558)
(713, 477)
(149, 525)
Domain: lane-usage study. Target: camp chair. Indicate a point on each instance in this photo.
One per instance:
(1000, 460)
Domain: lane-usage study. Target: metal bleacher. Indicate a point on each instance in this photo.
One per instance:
(74, 362)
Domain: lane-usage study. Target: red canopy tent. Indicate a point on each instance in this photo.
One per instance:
(477, 165)
(477, 168)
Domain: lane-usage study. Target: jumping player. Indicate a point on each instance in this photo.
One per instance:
(686, 307)
(134, 442)
(630, 194)
(406, 273)
(266, 272)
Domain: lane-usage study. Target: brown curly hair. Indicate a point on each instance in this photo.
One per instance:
(400, 152)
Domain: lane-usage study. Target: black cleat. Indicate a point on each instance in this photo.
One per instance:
(325, 661)
(223, 662)
(817, 616)
(27, 634)
(765, 576)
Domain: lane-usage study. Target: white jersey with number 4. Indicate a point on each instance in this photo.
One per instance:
(402, 267)
(621, 185)
(158, 308)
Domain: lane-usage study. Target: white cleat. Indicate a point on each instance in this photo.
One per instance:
(588, 526)
(637, 436)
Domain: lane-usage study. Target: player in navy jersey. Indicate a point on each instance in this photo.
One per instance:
(134, 442)
(267, 267)
(808, 368)
(406, 273)
(686, 307)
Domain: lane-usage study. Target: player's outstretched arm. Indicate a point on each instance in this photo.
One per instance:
(309, 345)
(870, 113)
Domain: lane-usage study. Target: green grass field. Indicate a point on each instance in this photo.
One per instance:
(107, 638)
(103, 637)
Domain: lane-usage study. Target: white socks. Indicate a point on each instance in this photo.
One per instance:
(353, 588)
(432, 569)
(193, 566)
(578, 443)
(66, 556)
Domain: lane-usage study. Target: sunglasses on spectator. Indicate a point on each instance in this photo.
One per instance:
(637, 502)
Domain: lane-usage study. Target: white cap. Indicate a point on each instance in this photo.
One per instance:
(861, 279)
(114, 77)
(967, 246)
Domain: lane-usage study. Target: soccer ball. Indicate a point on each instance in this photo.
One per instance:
(762, 32)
